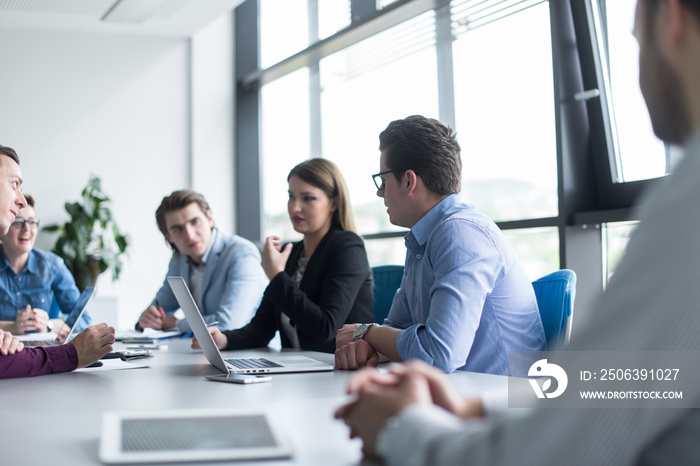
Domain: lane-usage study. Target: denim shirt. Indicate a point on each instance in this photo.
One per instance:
(464, 300)
(44, 277)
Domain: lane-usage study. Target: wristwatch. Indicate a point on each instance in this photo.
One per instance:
(49, 326)
(361, 331)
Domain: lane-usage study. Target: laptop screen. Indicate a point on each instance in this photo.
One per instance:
(76, 313)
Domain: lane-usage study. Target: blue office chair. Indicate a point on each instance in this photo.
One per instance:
(387, 279)
(555, 294)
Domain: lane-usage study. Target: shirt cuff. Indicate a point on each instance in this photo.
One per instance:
(64, 358)
(403, 439)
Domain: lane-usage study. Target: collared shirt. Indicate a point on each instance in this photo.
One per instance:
(43, 278)
(651, 304)
(197, 272)
(465, 300)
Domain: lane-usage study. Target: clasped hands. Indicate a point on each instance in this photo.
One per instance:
(382, 395)
(31, 320)
(353, 354)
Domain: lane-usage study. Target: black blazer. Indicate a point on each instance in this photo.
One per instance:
(336, 289)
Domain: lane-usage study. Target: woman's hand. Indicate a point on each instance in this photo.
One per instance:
(274, 258)
(220, 339)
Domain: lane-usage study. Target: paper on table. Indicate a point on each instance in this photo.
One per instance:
(113, 365)
(147, 334)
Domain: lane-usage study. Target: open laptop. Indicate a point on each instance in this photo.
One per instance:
(173, 436)
(273, 364)
(78, 309)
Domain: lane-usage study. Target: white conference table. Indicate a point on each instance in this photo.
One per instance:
(56, 419)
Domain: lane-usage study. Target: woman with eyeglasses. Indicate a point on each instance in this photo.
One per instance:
(31, 278)
(317, 284)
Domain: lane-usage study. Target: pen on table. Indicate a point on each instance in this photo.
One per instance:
(157, 305)
(186, 335)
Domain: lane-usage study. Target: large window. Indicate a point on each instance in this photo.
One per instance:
(360, 88)
(505, 111)
(386, 77)
(285, 142)
(287, 19)
(544, 96)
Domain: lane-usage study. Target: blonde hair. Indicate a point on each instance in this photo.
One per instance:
(325, 175)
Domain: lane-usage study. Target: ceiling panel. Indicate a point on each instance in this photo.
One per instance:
(170, 18)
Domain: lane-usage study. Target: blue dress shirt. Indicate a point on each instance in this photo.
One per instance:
(44, 278)
(464, 300)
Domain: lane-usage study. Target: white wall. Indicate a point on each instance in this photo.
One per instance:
(117, 106)
(212, 118)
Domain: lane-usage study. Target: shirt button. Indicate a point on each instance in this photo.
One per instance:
(18, 293)
(418, 256)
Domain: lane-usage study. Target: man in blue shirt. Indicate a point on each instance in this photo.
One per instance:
(464, 300)
(224, 272)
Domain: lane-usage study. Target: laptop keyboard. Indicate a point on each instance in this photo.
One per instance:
(252, 363)
(40, 343)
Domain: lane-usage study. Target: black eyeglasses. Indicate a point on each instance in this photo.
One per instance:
(32, 223)
(379, 181)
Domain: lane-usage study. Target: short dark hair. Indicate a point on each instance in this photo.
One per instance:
(175, 201)
(10, 152)
(427, 147)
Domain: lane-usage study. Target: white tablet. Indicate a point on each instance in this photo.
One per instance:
(191, 435)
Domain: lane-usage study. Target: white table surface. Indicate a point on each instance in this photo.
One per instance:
(56, 419)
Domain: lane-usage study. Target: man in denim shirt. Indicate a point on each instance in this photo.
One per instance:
(464, 300)
(31, 279)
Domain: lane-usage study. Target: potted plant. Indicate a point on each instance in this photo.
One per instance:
(90, 243)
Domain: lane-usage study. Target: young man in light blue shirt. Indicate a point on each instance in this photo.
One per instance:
(464, 300)
(224, 272)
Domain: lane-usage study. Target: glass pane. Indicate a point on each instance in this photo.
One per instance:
(364, 88)
(390, 251)
(642, 154)
(284, 143)
(333, 15)
(284, 29)
(616, 236)
(537, 249)
(504, 98)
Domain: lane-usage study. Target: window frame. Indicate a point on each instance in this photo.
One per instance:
(587, 191)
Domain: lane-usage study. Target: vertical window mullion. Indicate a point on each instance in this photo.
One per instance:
(315, 121)
(445, 68)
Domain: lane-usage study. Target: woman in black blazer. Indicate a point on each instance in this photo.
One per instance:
(317, 284)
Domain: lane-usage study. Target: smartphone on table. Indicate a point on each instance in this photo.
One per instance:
(239, 378)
